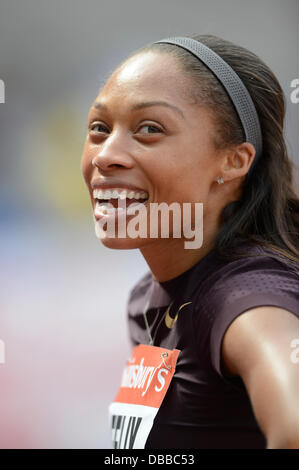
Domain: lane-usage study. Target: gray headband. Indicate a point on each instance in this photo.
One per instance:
(233, 85)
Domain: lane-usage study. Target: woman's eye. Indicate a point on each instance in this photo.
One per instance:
(152, 129)
(98, 128)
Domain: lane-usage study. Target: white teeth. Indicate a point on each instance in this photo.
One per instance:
(119, 194)
(105, 209)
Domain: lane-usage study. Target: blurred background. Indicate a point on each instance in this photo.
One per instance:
(62, 294)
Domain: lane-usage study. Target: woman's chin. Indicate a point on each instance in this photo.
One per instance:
(118, 243)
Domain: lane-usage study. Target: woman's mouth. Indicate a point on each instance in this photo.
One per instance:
(116, 201)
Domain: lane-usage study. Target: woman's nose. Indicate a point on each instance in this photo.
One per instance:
(113, 153)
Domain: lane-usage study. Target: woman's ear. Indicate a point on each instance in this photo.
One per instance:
(238, 161)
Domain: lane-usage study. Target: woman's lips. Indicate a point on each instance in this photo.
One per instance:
(112, 183)
(117, 201)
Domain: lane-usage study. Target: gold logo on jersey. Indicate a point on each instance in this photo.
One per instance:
(169, 321)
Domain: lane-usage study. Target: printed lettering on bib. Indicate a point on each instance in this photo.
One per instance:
(145, 381)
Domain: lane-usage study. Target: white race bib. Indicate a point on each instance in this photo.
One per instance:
(144, 384)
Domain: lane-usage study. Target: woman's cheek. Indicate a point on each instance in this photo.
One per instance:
(86, 163)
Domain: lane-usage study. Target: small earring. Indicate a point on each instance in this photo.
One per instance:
(220, 180)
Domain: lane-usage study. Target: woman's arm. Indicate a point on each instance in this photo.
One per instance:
(257, 347)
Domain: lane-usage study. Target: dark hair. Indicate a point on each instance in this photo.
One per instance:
(267, 215)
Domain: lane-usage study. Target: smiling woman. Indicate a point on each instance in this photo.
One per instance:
(181, 122)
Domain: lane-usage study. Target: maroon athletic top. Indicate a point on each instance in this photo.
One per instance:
(203, 408)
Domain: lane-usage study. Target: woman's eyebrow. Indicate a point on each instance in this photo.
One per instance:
(143, 104)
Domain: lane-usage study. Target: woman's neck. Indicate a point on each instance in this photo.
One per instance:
(168, 258)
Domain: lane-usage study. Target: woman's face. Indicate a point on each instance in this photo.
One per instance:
(145, 133)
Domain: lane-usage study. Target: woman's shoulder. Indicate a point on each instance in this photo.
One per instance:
(247, 257)
(254, 270)
(258, 278)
